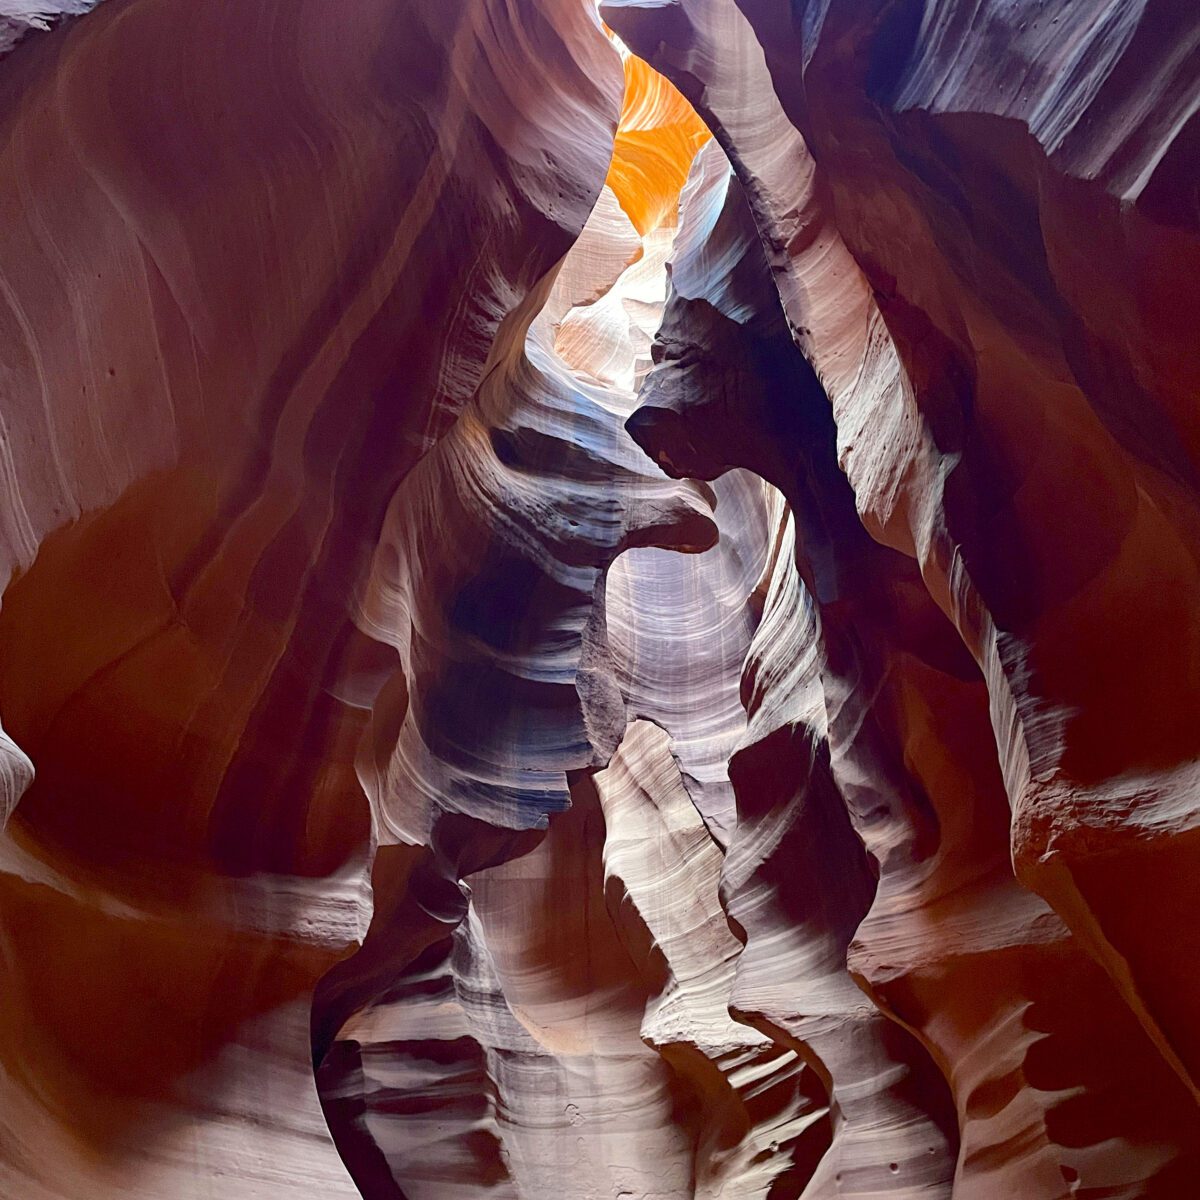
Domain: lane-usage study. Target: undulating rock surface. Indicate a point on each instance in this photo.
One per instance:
(599, 604)
(256, 260)
(19, 18)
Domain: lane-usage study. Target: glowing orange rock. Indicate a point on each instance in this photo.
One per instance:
(657, 139)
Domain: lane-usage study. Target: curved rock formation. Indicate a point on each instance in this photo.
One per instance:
(962, 181)
(949, 930)
(19, 18)
(253, 266)
(505, 690)
(546, 654)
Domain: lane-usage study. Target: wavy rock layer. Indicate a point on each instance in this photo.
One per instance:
(948, 931)
(1017, 332)
(254, 266)
(551, 656)
(19, 18)
(906, 379)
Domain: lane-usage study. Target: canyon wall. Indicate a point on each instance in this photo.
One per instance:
(256, 260)
(548, 654)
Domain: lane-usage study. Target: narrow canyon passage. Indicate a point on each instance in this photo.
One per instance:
(600, 600)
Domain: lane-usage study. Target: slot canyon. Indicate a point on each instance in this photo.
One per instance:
(600, 602)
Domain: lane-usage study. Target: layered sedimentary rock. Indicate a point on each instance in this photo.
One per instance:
(19, 18)
(1024, 221)
(549, 656)
(254, 264)
(839, 327)
(539, 1030)
(947, 943)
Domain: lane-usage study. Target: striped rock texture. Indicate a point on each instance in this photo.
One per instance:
(599, 603)
(256, 261)
(20, 18)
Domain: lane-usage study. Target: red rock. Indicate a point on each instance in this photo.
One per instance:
(691, 700)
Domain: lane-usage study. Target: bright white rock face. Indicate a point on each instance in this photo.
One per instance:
(20, 17)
